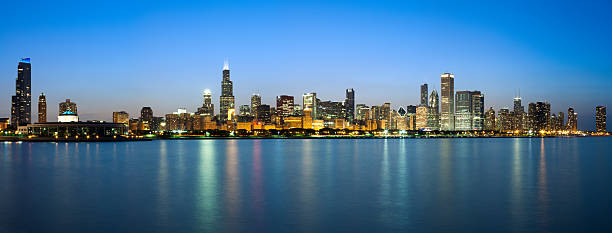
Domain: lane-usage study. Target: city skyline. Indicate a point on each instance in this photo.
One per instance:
(388, 63)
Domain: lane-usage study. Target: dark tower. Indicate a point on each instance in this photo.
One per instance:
(349, 105)
(21, 107)
(227, 94)
(42, 108)
(424, 93)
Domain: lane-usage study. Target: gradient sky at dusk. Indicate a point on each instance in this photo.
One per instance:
(117, 55)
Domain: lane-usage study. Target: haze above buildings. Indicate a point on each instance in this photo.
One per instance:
(164, 56)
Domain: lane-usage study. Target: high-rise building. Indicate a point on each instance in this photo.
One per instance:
(572, 120)
(478, 111)
(447, 103)
(208, 108)
(600, 119)
(331, 110)
(309, 101)
(121, 117)
(68, 107)
(463, 110)
(255, 103)
(146, 114)
(539, 116)
(284, 106)
(421, 117)
(504, 123)
(349, 105)
(42, 108)
(518, 114)
(362, 111)
(490, 119)
(433, 116)
(263, 113)
(227, 95)
(424, 93)
(21, 106)
(245, 110)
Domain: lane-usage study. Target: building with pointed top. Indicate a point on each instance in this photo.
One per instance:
(21, 106)
(447, 102)
(226, 101)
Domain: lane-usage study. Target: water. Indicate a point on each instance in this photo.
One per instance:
(364, 185)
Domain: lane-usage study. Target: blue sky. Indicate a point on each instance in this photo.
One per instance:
(115, 55)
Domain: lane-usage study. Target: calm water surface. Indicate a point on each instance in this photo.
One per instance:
(365, 185)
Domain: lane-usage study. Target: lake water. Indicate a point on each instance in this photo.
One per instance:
(317, 185)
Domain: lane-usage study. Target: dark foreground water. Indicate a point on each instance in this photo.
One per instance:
(367, 185)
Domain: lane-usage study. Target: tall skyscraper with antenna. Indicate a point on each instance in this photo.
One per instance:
(227, 94)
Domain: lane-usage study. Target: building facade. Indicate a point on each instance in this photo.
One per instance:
(433, 115)
(572, 120)
(226, 101)
(447, 102)
(349, 105)
(68, 106)
(42, 108)
(208, 108)
(424, 93)
(309, 101)
(21, 105)
(600, 119)
(121, 117)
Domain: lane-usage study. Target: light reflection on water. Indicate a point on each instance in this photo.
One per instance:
(517, 185)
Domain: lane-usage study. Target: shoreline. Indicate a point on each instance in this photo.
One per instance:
(123, 139)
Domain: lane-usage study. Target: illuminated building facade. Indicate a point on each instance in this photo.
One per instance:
(504, 123)
(227, 94)
(490, 119)
(469, 105)
(21, 105)
(600, 119)
(284, 106)
(309, 101)
(433, 116)
(422, 113)
(68, 106)
(539, 116)
(42, 108)
(263, 113)
(572, 120)
(208, 108)
(478, 111)
(255, 102)
(121, 117)
(331, 110)
(146, 114)
(68, 116)
(447, 102)
(518, 114)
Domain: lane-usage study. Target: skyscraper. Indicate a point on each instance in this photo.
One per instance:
(447, 103)
(284, 106)
(21, 106)
(539, 116)
(572, 120)
(208, 108)
(433, 116)
(42, 108)
(349, 105)
(362, 112)
(68, 107)
(600, 119)
(490, 119)
(309, 101)
(424, 92)
(518, 114)
(146, 114)
(478, 111)
(463, 110)
(421, 117)
(255, 103)
(227, 94)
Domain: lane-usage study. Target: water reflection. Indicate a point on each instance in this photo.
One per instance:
(206, 196)
(307, 189)
(542, 188)
(232, 184)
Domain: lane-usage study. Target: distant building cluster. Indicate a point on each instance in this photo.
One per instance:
(446, 110)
